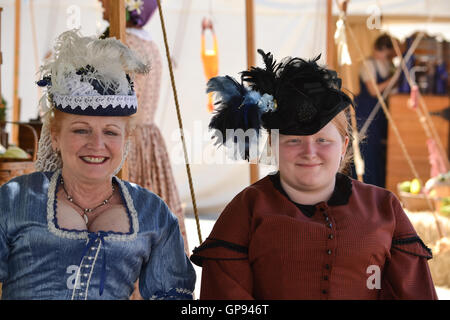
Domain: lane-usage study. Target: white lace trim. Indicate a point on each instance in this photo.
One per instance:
(84, 234)
(84, 102)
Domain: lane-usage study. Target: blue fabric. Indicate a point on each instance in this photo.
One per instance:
(37, 262)
(373, 148)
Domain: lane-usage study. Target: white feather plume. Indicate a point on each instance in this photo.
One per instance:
(111, 61)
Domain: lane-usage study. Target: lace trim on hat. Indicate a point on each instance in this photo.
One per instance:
(84, 102)
(77, 234)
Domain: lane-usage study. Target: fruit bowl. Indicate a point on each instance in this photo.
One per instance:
(415, 202)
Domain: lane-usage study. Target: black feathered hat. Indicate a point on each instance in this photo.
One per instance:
(295, 96)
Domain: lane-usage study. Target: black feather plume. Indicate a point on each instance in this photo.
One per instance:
(262, 80)
(236, 108)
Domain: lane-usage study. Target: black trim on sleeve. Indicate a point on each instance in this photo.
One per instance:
(215, 243)
(412, 240)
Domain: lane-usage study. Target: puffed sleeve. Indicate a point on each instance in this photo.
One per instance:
(406, 274)
(168, 274)
(223, 256)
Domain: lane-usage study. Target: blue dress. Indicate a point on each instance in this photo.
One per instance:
(41, 260)
(373, 147)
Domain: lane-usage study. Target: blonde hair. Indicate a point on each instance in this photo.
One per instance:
(342, 123)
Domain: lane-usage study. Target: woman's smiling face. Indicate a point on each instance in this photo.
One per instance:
(311, 162)
(91, 147)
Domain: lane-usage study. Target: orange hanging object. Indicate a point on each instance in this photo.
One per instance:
(210, 57)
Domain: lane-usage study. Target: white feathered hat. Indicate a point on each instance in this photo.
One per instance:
(90, 76)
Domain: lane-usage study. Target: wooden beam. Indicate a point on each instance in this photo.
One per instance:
(1, 58)
(250, 28)
(117, 19)
(117, 27)
(16, 101)
(330, 36)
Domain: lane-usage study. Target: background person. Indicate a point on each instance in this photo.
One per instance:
(373, 147)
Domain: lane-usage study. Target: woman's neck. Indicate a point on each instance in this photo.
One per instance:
(86, 193)
(307, 196)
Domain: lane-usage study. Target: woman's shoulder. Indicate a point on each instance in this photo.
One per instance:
(148, 205)
(34, 179)
(257, 188)
(369, 192)
(139, 191)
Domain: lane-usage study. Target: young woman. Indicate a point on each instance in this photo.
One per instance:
(308, 231)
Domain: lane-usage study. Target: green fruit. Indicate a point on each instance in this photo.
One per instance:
(405, 186)
(16, 153)
(446, 201)
(416, 186)
(445, 210)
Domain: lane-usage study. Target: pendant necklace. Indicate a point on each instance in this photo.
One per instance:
(86, 211)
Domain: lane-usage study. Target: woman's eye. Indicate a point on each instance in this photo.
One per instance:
(111, 133)
(80, 131)
(322, 140)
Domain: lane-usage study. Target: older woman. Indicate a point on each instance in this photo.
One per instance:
(74, 230)
(308, 231)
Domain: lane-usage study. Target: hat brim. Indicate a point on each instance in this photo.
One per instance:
(108, 105)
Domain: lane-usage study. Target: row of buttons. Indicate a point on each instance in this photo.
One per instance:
(85, 275)
(329, 252)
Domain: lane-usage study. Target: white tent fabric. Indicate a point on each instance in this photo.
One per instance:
(283, 27)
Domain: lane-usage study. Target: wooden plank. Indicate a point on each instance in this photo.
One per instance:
(117, 19)
(16, 101)
(330, 36)
(413, 135)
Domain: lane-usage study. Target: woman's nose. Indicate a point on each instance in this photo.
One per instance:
(96, 140)
(309, 147)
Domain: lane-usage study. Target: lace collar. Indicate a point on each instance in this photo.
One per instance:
(83, 234)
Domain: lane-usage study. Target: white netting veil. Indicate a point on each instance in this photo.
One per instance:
(47, 158)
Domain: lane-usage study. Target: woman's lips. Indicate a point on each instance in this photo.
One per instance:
(94, 159)
(308, 165)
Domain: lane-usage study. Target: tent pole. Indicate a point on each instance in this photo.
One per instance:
(117, 19)
(330, 36)
(117, 26)
(249, 21)
(16, 100)
(1, 61)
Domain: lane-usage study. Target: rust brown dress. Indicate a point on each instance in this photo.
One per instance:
(148, 160)
(264, 246)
